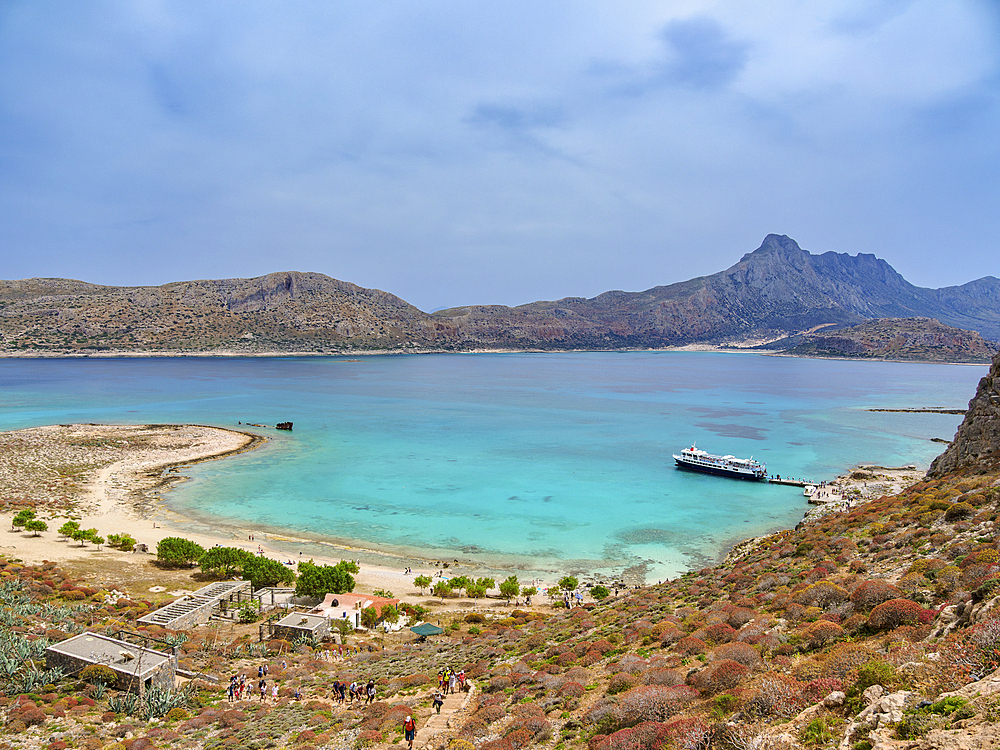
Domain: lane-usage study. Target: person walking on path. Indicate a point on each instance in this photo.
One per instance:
(371, 691)
(410, 727)
(438, 701)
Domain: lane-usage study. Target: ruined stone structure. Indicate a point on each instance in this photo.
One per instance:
(197, 608)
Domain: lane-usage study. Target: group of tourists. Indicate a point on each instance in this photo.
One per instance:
(354, 692)
(242, 689)
(449, 680)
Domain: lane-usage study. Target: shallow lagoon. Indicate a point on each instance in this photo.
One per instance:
(540, 461)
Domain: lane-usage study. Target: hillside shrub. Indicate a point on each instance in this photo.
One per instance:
(649, 735)
(822, 633)
(773, 695)
(742, 653)
(619, 683)
(652, 703)
(690, 646)
(870, 594)
(722, 675)
(958, 511)
(893, 613)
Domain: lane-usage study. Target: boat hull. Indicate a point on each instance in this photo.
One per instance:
(750, 477)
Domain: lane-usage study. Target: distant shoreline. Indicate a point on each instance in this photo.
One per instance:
(232, 354)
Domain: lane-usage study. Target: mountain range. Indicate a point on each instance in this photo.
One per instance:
(777, 291)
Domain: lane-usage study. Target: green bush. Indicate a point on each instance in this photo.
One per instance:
(176, 551)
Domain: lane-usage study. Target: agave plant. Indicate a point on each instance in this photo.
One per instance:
(159, 701)
(123, 703)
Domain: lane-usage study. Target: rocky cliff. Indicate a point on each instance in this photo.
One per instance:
(976, 447)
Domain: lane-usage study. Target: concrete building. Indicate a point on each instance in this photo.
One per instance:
(298, 625)
(133, 665)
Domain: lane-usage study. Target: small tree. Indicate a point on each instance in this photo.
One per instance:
(249, 611)
(476, 591)
(461, 583)
(486, 583)
(80, 535)
(600, 592)
(320, 580)
(510, 588)
(224, 561)
(390, 614)
(263, 571)
(422, 582)
(22, 518)
(36, 525)
(369, 618)
(68, 528)
(176, 551)
(97, 539)
(568, 583)
(528, 593)
(442, 589)
(123, 542)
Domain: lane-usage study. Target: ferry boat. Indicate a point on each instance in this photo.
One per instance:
(728, 466)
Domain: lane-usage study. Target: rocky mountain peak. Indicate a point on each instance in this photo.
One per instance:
(780, 245)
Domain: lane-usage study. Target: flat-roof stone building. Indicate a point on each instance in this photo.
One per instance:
(133, 664)
(298, 625)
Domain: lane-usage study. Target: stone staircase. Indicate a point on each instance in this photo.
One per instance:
(441, 722)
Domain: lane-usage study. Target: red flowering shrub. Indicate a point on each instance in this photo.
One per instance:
(870, 594)
(689, 646)
(489, 714)
(818, 689)
(740, 652)
(844, 657)
(822, 632)
(670, 635)
(688, 733)
(719, 633)
(893, 613)
(649, 735)
(499, 683)
(721, 675)
(740, 616)
(572, 690)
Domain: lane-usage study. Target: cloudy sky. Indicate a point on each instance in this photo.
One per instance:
(456, 152)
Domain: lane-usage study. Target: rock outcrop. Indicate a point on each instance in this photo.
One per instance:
(923, 339)
(976, 447)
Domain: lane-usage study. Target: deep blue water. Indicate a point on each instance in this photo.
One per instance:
(547, 461)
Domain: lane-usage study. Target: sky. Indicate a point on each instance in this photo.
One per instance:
(461, 152)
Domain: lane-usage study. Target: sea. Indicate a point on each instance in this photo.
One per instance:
(545, 463)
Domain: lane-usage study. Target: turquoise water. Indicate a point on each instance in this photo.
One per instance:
(542, 461)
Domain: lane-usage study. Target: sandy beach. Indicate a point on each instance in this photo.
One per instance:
(110, 477)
